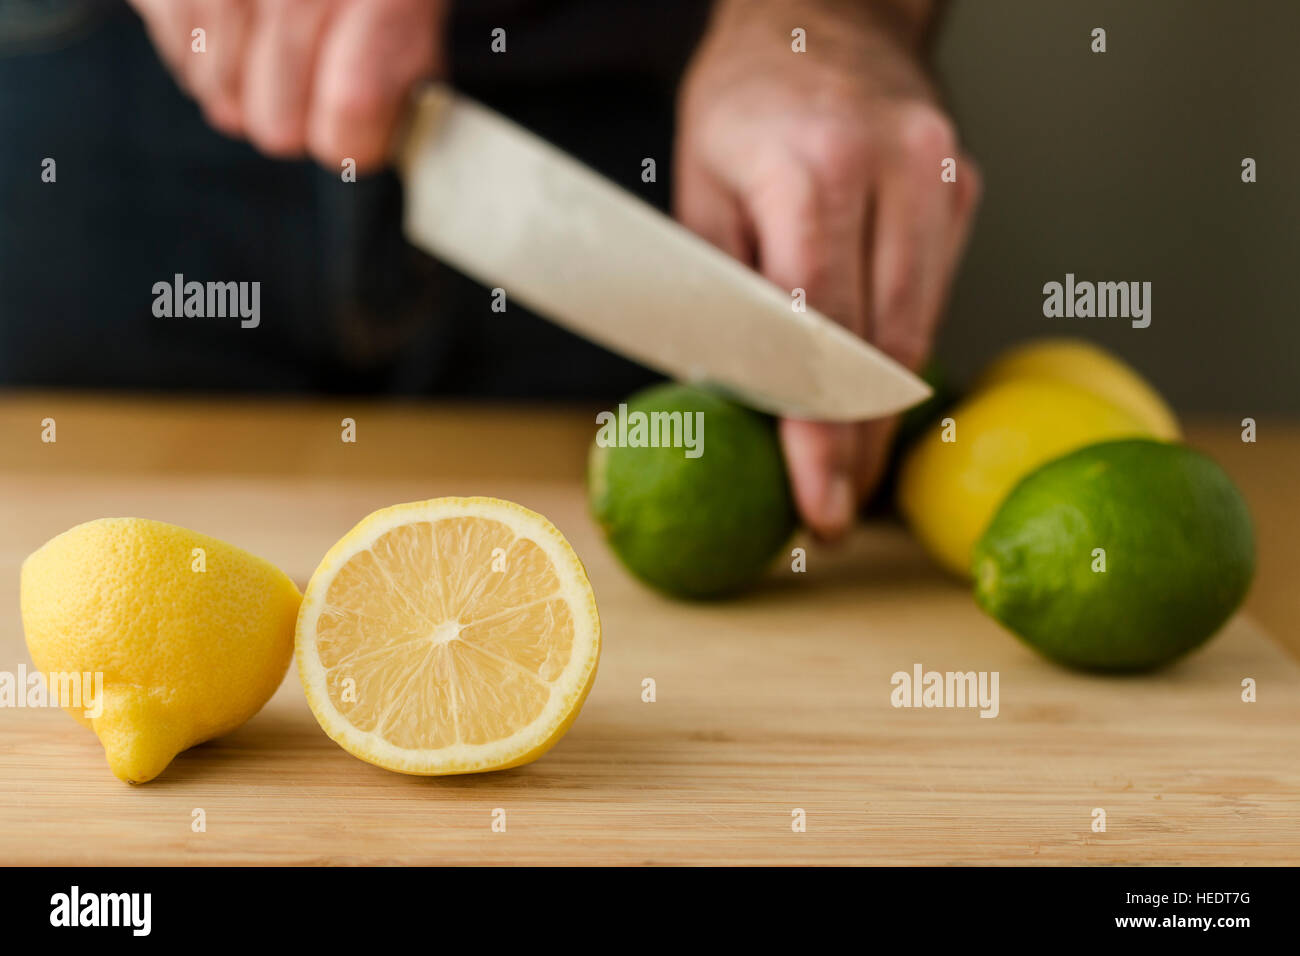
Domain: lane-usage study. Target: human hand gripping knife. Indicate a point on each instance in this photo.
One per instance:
(512, 211)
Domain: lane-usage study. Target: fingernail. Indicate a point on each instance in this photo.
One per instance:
(837, 509)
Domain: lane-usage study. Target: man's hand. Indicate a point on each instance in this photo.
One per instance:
(322, 77)
(822, 169)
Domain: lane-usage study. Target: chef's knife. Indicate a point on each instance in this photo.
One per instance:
(514, 212)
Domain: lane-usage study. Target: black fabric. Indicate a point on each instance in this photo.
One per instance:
(146, 190)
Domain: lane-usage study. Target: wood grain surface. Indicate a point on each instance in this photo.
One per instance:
(771, 703)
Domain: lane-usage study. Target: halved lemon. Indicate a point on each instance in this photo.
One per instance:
(448, 636)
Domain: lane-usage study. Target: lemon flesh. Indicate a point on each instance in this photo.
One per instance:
(949, 490)
(191, 635)
(448, 636)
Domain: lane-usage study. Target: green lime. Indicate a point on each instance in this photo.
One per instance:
(1119, 556)
(704, 509)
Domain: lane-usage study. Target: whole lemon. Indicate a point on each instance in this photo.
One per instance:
(1090, 367)
(191, 635)
(948, 490)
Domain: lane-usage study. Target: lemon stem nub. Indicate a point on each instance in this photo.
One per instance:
(139, 735)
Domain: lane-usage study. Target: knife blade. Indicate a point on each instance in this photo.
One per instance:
(512, 211)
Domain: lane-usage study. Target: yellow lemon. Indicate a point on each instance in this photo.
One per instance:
(448, 636)
(1090, 367)
(189, 635)
(949, 490)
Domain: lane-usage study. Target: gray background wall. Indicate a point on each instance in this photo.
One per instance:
(1127, 166)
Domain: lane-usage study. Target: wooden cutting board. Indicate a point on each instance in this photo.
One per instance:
(775, 703)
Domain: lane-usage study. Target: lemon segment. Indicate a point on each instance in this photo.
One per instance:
(448, 636)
